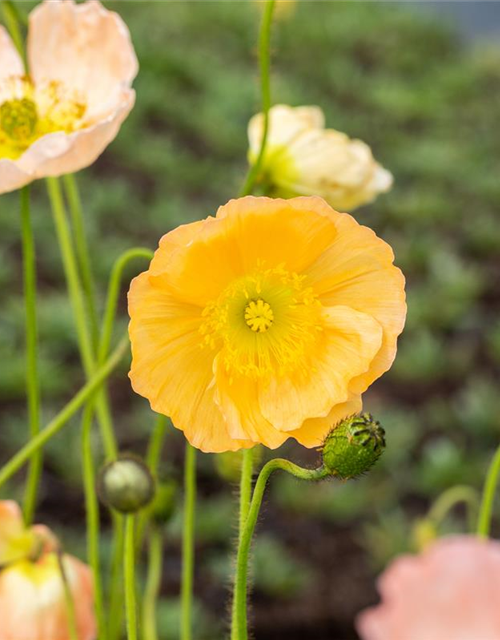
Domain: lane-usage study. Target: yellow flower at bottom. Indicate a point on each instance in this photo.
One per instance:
(266, 322)
(304, 158)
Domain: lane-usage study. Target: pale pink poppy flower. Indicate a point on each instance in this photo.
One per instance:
(449, 592)
(33, 604)
(62, 116)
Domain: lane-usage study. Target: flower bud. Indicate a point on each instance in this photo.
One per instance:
(126, 484)
(353, 446)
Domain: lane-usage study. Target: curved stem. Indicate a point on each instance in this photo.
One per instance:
(449, 499)
(34, 444)
(265, 83)
(240, 584)
(245, 497)
(129, 573)
(82, 252)
(113, 294)
(153, 582)
(32, 375)
(488, 498)
(188, 542)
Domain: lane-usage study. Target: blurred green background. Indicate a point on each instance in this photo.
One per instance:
(428, 106)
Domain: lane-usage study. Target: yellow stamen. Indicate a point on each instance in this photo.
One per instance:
(258, 315)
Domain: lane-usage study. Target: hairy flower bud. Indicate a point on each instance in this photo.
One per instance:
(126, 484)
(353, 446)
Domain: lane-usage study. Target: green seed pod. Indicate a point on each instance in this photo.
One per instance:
(126, 484)
(353, 446)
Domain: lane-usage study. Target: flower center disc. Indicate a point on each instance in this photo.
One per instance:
(18, 118)
(258, 315)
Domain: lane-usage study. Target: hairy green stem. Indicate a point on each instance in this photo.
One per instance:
(188, 543)
(153, 582)
(241, 578)
(488, 497)
(265, 83)
(32, 375)
(34, 444)
(92, 515)
(116, 585)
(245, 497)
(79, 311)
(129, 574)
(82, 252)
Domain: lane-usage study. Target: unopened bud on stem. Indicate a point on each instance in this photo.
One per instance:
(126, 484)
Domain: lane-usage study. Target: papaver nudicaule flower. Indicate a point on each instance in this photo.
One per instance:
(60, 117)
(266, 322)
(32, 595)
(449, 592)
(304, 158)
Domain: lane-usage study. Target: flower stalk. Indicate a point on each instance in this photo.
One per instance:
(488, 497)
(241, 578)
(32, 374)
(265, 87)
(188, 543)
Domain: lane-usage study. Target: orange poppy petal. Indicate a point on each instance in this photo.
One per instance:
(313, 431)
(350, 343)
(171, 369)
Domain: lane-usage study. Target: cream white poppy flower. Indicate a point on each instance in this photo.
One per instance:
(60, 117)
(304, 158)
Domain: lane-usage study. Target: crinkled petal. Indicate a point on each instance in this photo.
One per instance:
(243, 237)
(11, 63)
(357, 271)
(350, 342)
(84, 46)
(285, 124)
(313, 431)
(59, 153)
(238, 400)
(170, 367)
(450, 591)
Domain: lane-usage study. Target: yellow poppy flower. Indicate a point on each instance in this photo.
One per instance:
(62, 116)
(264, 323)
(304, 158)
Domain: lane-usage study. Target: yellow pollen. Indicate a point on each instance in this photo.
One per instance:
(258, 315)
(18, 118)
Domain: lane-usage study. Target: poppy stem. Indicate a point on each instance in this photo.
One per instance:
(245, 498)
(265, 84)
(449, 499)
(82, 252)
(241, 579)
(188, 543)
(32, 374)
(61, 419)
(153, 582)
(129, 573)
(488, 498)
